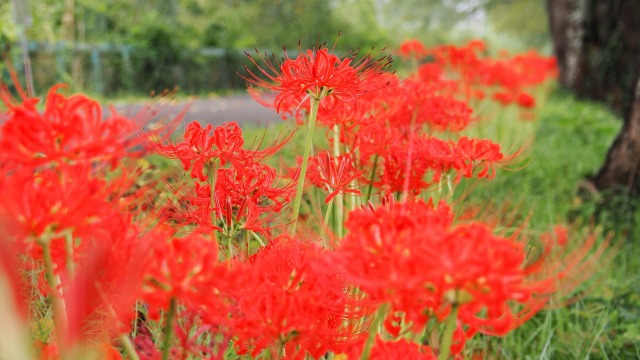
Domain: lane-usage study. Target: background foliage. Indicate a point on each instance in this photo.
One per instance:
(117, 47)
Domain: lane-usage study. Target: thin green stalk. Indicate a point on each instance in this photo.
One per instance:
(353, 198)
(325, 223)
(373, 331)
(447, 336)
(211, 174)
(339, 198)
(229, 252)
(129, 349)
(373, 174)
(255, 236)
(59, 308)
(69, 247)
(305, 160)
(168, 329)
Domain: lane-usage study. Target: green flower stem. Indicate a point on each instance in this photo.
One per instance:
(128, 347)
(69, 248)
(59, 308)
(168, 329)
(255, 236)
(373, 331)
(447, 336)
(339, 203)
(315, 102)
(373, 174)
(325, 223)
(211, 174)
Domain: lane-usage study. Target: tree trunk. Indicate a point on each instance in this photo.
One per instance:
(623, 159)
(597, 44)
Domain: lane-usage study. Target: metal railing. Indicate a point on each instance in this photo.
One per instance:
(108, 69)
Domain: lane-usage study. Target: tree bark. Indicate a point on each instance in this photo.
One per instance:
(620, 169)
(597, 44)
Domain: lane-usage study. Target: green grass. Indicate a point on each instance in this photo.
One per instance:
(571, 141)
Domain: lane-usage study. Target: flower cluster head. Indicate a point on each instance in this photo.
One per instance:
(70, 129)
(316, 73)
(292, 296)
(415, 257)
(228, 185)
(334, 174)
(413, 49)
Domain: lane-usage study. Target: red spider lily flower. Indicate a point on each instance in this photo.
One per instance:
(334, 174)
(504, 98)
(431, 72)
(472, 154)
(316, 73)
(250, 196)
(526, 101)
(45, 207)
(101, 298)
(405, 163)
(191, 333)
(203, 146)
(416, 102)
(412, 49)
(411, 256)
(400, 349)
(102, 351)
(192, 205)
(186, 269)
(71, 129)
(292, 297)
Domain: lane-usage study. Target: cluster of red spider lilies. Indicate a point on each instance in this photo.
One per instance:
(103, 256)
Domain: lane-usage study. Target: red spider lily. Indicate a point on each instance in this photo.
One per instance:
(101, 298)
(526, 101)
(9, 276)
(102, 351)
(471, 154)
(473, 72)
(69, 130)
(416, 102)
(431, 72)
(203, 146)
(400, 349)
(411, 256)
(334, 174)
(250, 196)
(96, 251)
(46, 206)
(504, 98)
(405, 163)
(193, 341)
(291, 297)
(412, 49)
(317, 73)
(192, 205)
(185, 269)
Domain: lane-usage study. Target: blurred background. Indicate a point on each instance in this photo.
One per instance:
(116, 48)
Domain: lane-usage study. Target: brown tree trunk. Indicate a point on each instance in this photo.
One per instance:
(621, 166)
(597, 44)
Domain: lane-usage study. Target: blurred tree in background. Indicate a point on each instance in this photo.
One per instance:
(132, 46)
(597, 44)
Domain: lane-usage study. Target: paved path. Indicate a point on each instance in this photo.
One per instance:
(240, 108)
